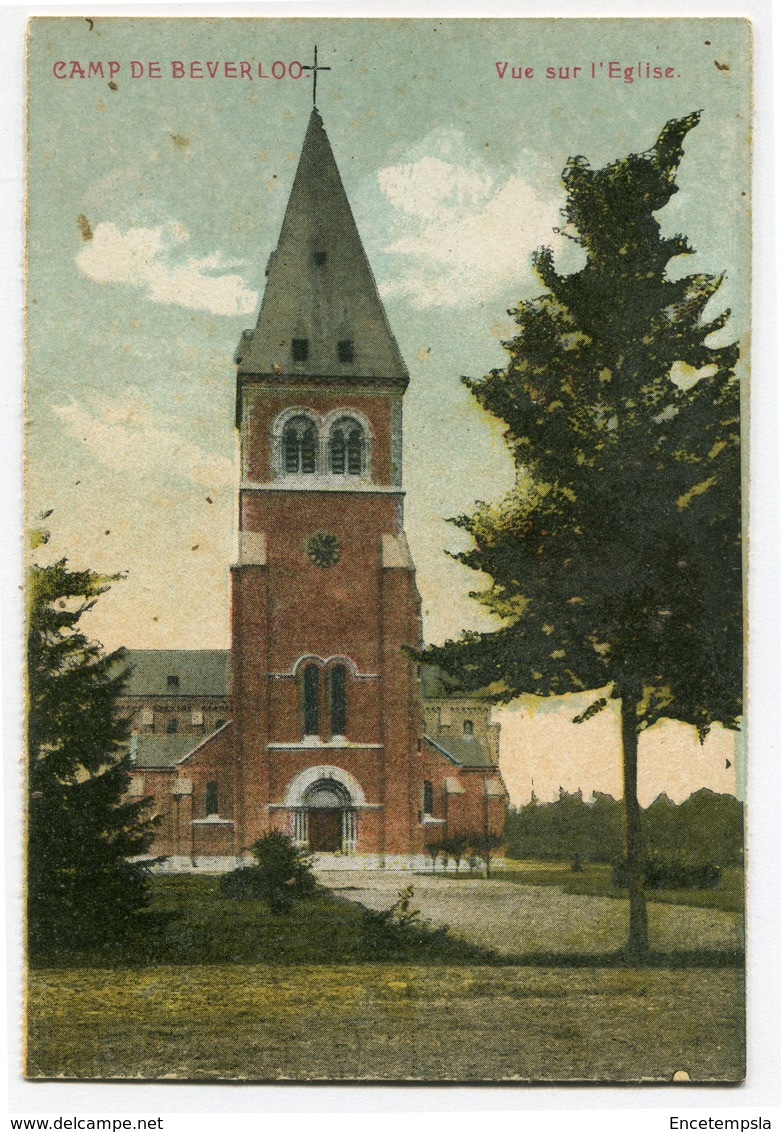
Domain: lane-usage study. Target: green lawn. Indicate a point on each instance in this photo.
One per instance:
(596, 880)
(220, 989)
(386, 1022)
(189, 923)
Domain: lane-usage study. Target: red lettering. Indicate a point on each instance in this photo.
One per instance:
(196, 70)
(136, 69)
(245, 70)
(177, 69)
(274, 66)
(260, 72)
(154, 71)
(94, 69)
(113, 68)
(59, 69)
(523, 72)
(212, 68)
(502, 68)
(614, 70)
(230, 71)
(76, 70)
(668, 72)
(299, 72)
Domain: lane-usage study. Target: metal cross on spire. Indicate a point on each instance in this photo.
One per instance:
(314, 69)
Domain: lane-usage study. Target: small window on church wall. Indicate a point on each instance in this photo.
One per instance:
(210, 799)
(171, 727)
(338, 699)
(172, 681)
(299, 443)
(300, 348)
(310, 686)
(469, 727)
(345, 350)
(428, 798)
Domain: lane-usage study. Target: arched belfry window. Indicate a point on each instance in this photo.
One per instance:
(347, 448)
(337, 696)
(299, 445)
(310, 694)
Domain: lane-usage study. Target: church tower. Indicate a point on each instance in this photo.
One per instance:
(320, 732)
(327, 714)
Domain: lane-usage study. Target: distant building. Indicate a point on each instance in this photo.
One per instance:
(317, 721)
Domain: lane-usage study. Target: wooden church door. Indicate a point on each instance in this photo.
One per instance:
(325, 830)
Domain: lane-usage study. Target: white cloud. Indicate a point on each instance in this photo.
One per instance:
(128, 438)
(463, 233)
(152, 259)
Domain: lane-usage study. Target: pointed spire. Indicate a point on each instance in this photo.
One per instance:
(320, 288)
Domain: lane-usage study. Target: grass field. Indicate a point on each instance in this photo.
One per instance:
(596, 880)
(386, 1022)
(219, 989)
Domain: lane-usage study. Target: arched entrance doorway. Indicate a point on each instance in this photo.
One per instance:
(323, 802)
(329, 818)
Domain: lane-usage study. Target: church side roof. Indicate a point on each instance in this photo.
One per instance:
(157, 752)
(198, 672)
(320, 286)
(164, 752)
(466, 750)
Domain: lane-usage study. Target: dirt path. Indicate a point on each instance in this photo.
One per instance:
(514, 919)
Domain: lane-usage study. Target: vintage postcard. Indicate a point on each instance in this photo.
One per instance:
(384, 512)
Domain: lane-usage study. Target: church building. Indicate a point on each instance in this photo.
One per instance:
(317, 722)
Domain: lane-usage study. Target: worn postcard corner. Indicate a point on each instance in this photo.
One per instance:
(385, 724)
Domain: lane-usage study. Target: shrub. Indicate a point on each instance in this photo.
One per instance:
(484, 846)
(672, 874)
(398, 931)
(281, 874)
(454, 848)
(434, 849)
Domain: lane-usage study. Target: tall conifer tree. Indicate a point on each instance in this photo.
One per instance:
(82, 889)
(615, 561)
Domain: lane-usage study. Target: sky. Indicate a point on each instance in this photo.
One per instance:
(154, 203)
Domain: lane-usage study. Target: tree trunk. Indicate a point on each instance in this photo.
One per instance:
(637, 943)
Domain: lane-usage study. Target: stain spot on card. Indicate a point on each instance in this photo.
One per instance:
(84, 227)
(90, 22)
(195, 547)
(209, 499)
(180, 142)
(113, 86)
(721, 66)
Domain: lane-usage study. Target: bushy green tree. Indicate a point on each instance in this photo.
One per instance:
(280, 874)
(615, 561)
(484, 845)
(82, 889)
